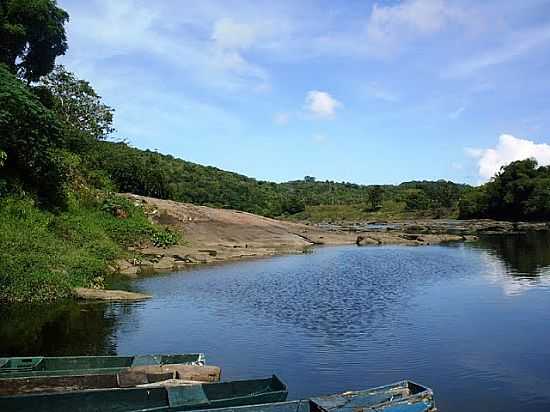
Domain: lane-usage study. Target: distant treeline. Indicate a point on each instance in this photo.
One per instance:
(152, 174)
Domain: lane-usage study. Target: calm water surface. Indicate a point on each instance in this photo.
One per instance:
(471, 321)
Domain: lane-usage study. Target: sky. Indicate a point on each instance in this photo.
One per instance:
(367, 92)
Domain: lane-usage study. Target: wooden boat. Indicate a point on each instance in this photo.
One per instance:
(126, 378)
(158, 399)
(404, 396)
(72, 365)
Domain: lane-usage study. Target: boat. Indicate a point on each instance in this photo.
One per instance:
(158, 399)
(42, 375)
(403, 396)
(20, 367)
(126, 378)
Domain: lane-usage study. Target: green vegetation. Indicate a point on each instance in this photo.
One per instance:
(520, 191)
(44, 255)
(59, 226)
(152, 174)
(32, 35)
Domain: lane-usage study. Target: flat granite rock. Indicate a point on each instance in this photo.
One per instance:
(102, 294)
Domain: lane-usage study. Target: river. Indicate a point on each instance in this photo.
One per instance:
(472, 321)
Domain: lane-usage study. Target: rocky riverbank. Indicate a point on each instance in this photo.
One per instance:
(219, 235)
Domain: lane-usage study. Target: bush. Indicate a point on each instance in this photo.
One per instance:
(44, 255)
(165, 238)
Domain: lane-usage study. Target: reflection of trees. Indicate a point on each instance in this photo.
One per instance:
(525, 254)
(60, 329)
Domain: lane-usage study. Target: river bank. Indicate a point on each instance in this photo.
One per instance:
(220, 235)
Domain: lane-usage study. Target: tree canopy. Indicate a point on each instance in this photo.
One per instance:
(32, 35)
(77, 105)
(520, 191)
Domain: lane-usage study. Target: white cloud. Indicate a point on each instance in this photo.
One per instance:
(390, 26)
(232, 35)
(208, 49)
(514, 46)
(321, 104)
(379, 92)
(457, 113)
(508, 149)
(281, 119)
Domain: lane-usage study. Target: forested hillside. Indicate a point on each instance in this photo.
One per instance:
(152, 174)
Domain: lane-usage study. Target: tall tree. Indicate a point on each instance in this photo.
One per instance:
(32, 35)
(77, 104)
(32, 139)
(375, 196)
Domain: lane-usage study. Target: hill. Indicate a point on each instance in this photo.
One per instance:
(153, 174)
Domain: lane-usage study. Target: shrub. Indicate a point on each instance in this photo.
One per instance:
(165, 238)
(44, 255)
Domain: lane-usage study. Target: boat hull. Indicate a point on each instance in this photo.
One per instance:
(127, 378)
(22, 367)
(160, 399)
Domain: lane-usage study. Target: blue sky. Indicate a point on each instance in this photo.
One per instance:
(360, 91)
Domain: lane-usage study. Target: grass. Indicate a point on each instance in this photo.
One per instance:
(44, 255)
(390, 210)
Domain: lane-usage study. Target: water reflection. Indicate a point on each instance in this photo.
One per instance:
(336, 293)
(60, 329)
(526, 254)
(517, 263)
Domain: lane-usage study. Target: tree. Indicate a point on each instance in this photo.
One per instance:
(521, 190)
(32, 139)
(32, 35)
(77, 104)
(375, 194)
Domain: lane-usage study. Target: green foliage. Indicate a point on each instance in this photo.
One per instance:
(3, 157)
(32, 35)
(77, 105)
(165, 238)
(520, 191)
(152, 174)
(33, 141)
(375, 196)
(417, 199)
(45, 255)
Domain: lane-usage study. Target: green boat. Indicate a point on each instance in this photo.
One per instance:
(127, 378)
(22, 367)
(158, 399)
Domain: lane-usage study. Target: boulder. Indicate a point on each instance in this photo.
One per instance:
(165, 263)
(366, 240)
(126, 268)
